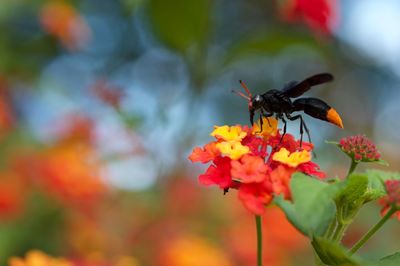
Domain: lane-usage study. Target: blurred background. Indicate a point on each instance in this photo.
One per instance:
(101, 102)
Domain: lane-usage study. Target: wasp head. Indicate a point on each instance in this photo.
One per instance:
(254, 103)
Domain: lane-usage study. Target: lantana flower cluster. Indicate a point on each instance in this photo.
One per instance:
(392, 199)
(255, 161)
(360, 148)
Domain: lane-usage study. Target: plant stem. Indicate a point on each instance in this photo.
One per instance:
(352, 167)
(259, 240)
(331, 228)
(373, 230)
(339, 232)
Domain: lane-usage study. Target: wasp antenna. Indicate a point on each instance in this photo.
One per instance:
(245, 88)
(241, 95)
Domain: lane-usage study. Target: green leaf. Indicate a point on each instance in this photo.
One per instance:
(391, 260)
(332, 253)
(354, 190)
(376, 179)
(180, 24)
(290, 213)
(269, 43)
(313, 207)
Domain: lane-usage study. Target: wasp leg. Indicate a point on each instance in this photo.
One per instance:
(284, 129)
(261, 124)
(266, 115)
(302, 125)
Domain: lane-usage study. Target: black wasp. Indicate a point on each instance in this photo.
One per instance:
(278, 103)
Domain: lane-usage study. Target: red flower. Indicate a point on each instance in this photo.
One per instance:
(311, 168)
(360, 148)
(319, 15)
(249, 169)
(392, 199)
(208, 153)
(218, 174)
(280, 178)
(256, 196)
(240, 161)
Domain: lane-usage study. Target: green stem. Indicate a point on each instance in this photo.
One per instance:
(259, 240)
(317, 260)
(340, 229)
(373, 230)
(352, 167)
(331, 229)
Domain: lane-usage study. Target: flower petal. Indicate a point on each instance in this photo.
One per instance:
(292, 159)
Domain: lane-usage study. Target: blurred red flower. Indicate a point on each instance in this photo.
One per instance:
(319, 15)
(192, 250)
(12, 194)
(392, 199)
(281, 240)
(110, 95)
(75, 127)
(72, 173)
(63, 21)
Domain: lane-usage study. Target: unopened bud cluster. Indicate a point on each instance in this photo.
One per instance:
(360, 148)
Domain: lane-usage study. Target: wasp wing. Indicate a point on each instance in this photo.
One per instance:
(295, 89)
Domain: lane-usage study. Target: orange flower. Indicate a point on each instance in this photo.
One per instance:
(192, 250)
(38, 258)
(208, 153)
(249, 169)
(60, 19)
(280, 179)
(72, 173)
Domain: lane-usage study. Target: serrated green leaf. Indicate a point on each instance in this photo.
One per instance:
(180, 24)
(332, 253)
(382, 175)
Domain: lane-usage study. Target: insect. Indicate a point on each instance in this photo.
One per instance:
(279, 103)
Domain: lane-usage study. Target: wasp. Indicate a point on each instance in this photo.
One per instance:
(279, 103)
